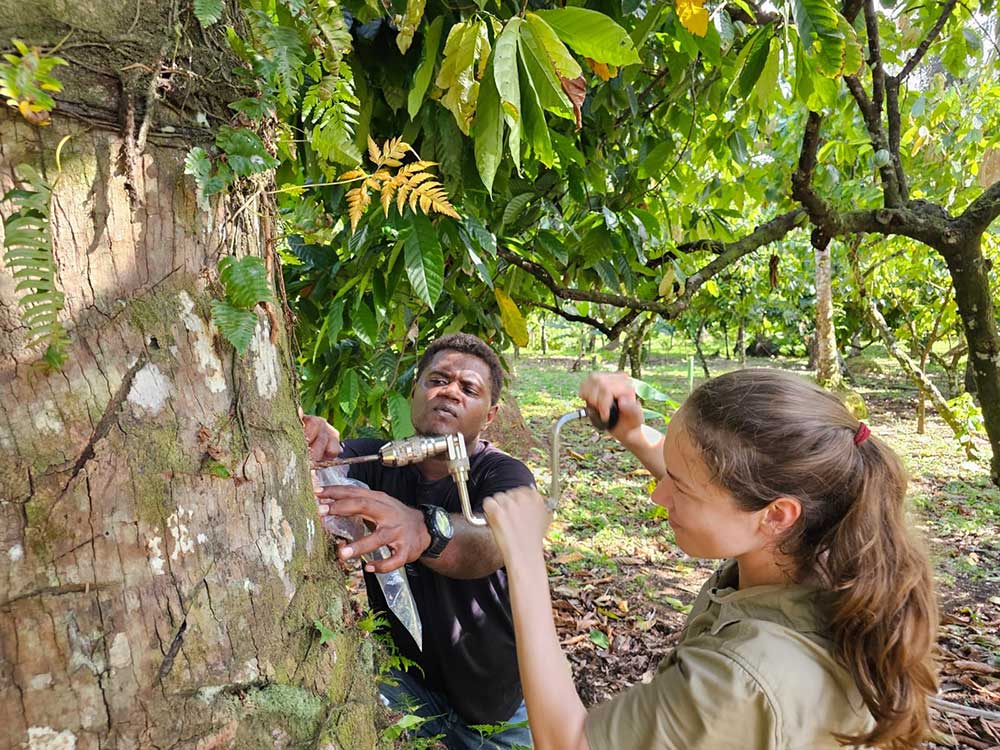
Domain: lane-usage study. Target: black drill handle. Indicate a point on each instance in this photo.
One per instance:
(600, 424)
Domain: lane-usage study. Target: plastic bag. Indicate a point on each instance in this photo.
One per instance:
(395, 585)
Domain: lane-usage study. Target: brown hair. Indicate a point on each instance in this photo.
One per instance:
(766, 434)
(466, 343)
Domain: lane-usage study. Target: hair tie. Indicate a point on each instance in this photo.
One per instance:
(862, 433)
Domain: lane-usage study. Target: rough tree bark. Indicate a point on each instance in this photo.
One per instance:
(161, 570)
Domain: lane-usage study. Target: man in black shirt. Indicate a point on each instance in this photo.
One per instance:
(469, 661)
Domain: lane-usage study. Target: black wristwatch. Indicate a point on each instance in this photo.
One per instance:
(439, 527)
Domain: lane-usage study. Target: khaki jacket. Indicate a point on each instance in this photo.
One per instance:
(753, 671)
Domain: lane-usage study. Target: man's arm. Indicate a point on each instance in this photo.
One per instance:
(471, 553)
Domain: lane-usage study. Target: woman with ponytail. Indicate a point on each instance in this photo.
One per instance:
(817, 631)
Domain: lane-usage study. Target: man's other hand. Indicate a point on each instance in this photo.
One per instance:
(321, 437)
(397, 526)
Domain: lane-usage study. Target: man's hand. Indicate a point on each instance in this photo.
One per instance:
(397, 526)
(321, 437)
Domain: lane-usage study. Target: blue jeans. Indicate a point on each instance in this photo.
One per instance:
(411, 696)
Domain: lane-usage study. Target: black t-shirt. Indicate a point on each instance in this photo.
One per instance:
(468, 630)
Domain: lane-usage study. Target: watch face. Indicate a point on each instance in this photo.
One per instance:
(442, 523)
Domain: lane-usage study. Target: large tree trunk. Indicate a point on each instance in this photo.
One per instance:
(827, 364)
(975, 307)
(161, 569)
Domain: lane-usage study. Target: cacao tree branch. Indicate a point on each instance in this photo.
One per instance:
(871, 109)
(765, 234)
(922, 48)
(983, 211)
(820, 212)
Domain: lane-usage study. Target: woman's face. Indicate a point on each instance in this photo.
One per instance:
(704, 516)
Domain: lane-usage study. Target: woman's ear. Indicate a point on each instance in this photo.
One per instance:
(781, 515)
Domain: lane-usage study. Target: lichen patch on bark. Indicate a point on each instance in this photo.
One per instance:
(150, 390)
(265, 362)
(208, 361)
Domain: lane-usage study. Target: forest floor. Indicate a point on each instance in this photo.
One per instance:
(622, 589)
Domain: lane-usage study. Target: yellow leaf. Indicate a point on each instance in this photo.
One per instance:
(666, 289)
(387, 190)
(373, 153)
(353, 174)
(693, 17)
(358, 200)
(511, 319)
(602, 70)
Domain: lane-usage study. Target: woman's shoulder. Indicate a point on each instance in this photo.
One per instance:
(776, 637)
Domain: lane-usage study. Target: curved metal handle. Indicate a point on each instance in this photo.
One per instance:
(458, 467)
(553, 499)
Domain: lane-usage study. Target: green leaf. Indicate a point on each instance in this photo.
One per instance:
(363, 323)
(542, 74)
(488, 130)
(553, 50)
(825, 35)
(198, 165)
(234, 323)
(348, 390)
(592, 35)
(505, 75)
(422, 77)
(534, 118)
(767, 85)
(754, 65)
(245, 151)
(399, 416)
(245, 281)
(325, 634)
(712, 287)
(515, 208)
(599, 638)
(207, 11)
(423, 258)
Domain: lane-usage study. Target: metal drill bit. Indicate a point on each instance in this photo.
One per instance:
(345, 461)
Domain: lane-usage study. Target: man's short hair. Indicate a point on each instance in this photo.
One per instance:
(466, 343)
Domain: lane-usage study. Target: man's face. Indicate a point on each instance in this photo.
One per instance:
(452, 395)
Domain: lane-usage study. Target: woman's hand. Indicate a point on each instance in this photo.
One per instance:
(600, 389)
(321, 437)
(518, 519)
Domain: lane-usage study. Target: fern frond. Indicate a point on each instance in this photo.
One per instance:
(394, 151)
(388, 188)
(432, 198)
(28, 254)
(358, 201)
(373, 152)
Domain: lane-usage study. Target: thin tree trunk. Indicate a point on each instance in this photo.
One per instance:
(827, 365)
(909, 367)
(741, 344)
(545, 343)
(633, 345)
(161, 568)
(921, 400)
(697, 348)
